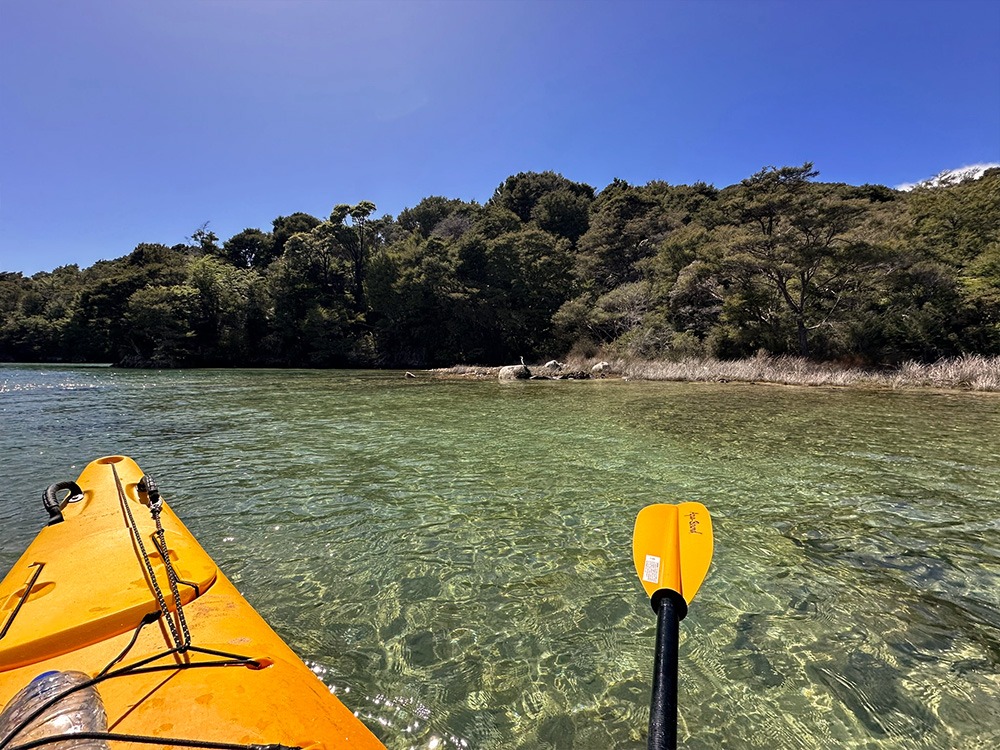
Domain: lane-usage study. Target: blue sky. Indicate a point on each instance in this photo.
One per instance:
(124, 122)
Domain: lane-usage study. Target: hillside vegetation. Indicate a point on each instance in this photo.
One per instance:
(779, 264)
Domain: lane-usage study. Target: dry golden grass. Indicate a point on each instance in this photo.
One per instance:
(971, 372)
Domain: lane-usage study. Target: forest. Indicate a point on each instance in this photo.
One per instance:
(780, 263)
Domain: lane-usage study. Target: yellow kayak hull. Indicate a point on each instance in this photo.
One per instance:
(79, 594)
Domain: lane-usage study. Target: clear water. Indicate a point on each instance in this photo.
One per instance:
(454, 558)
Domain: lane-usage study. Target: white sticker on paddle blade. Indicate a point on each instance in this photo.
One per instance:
(651, 570)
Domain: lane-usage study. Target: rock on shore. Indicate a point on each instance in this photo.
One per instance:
(514, 372)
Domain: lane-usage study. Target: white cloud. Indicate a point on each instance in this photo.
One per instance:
(951, 176)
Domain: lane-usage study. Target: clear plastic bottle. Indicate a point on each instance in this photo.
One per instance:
(79, 711)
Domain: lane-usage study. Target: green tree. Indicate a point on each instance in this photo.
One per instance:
(98, 329)
(563, 212)
(231, 324)
(311, 288)
(955, 223)
(696, 299)
(284, 227)
(516, 283)
(31, 338)
(958, 225)
(205, 240)
(626, 225)
(428, 214)
(160, 324)
(796, 238)
(251, 248)
(419, 307)
(354, 243)
(522, 192)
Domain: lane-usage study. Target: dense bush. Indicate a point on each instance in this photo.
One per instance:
(779, 263)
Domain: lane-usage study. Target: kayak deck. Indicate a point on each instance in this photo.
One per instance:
(97, 593)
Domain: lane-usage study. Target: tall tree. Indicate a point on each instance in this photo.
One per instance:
(796, 238)
(353, 242)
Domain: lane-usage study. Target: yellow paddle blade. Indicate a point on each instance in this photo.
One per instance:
(672, 547)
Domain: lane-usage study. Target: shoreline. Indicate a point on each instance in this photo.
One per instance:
(970, 373)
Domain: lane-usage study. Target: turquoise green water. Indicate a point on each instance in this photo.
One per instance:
(454, 558)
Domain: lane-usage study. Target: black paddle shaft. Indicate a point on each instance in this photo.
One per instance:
(670, 609)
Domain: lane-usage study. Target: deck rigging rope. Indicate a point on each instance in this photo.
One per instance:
(160, 539)
(181, 643)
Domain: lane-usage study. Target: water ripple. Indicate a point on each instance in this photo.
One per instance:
(453, 559)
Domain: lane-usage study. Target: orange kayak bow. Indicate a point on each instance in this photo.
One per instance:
(116, 588)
